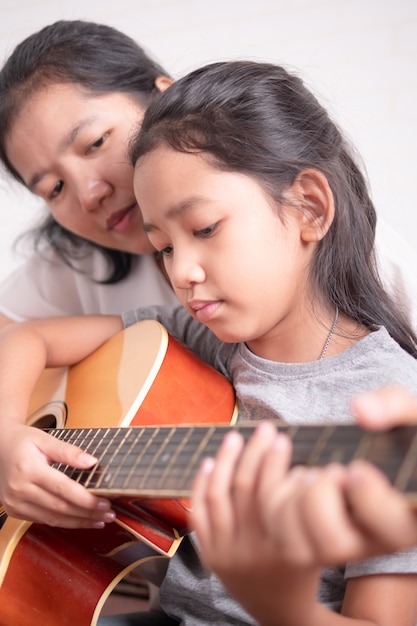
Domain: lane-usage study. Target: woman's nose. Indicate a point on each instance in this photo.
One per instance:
(91, 193)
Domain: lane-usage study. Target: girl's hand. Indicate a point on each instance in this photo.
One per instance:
(385, 408)
(244, 512)
(31, 489)
(266, 530)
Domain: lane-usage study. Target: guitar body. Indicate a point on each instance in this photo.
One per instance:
(141, 377)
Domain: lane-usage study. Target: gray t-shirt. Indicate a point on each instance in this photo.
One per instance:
(299, 393)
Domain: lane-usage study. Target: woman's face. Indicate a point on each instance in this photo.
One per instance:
(70, 148)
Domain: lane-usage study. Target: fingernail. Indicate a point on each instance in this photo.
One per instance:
(98, 525)
(233, 439)
(207, 465)
(87, 459)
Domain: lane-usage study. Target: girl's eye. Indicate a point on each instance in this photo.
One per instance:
(206, 232)
(97, 144)
(56, 190)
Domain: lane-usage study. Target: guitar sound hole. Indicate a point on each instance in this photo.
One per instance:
(51, 415)
(46, 421)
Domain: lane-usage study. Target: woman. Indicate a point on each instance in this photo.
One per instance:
(70, 95)
(84, 86)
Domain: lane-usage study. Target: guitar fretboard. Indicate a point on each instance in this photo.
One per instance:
(162, 461)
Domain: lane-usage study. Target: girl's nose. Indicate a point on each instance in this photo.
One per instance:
(185, 272)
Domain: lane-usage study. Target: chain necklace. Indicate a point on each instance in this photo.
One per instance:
(330, 335)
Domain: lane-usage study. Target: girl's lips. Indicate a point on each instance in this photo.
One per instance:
(204, 311)
(120, 221)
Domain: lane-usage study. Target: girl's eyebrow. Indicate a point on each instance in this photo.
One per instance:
(177, 209)
(66, 142)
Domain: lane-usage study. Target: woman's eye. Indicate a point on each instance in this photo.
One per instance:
(167, 251)
(56, 190)
(97, 144)
(205, 232)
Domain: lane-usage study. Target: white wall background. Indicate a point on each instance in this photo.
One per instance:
(359, 56)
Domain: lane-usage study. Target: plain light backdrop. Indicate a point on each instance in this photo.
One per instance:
(358, 56)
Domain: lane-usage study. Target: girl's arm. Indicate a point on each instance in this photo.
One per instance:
(29, 487)
(267, 532)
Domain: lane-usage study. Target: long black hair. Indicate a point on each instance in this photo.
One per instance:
(262, 121)
(102, 60)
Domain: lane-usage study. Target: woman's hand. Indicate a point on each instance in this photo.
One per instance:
(31, 489)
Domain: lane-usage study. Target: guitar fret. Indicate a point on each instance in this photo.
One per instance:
(164, 460)
(407, 467)
(159, 443)
(363, 447)
(319, 447)
(136, 458)
(174, 466)
(110, 462)
(202, 450)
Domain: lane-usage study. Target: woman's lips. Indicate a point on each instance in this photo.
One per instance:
(120, 220)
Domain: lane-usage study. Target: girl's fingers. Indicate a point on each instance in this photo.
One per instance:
(58, 497)
(332, 536)
(213, 514)
(199, 519)
(250, 470)
(274, 469)
(51, 517)
(56, 451)
(384, 515)
(33, 488)
(385, 408)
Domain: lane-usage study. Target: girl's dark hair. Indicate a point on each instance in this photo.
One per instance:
(97, 57)
(260, 120)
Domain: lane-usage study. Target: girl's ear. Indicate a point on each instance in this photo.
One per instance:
(315, 198)
(163, 82)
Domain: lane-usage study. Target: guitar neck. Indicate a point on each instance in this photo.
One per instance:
(162, 461)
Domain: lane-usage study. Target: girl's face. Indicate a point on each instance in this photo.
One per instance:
(70, 148)
(235, 265)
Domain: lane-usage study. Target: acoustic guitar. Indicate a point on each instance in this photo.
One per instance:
(140, 377)
(150, 411)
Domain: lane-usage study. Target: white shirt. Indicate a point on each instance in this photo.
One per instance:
(44, 286)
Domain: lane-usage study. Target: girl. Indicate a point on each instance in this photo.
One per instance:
(266, 228)
(91, 255)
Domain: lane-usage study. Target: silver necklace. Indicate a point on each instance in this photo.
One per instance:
(330, 335)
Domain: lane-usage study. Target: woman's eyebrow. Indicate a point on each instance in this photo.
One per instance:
(63, 145)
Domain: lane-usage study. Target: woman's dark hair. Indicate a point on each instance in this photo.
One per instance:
(260, 120)
(99, 58)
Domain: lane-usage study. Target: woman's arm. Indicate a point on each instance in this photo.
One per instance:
(29, 487)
